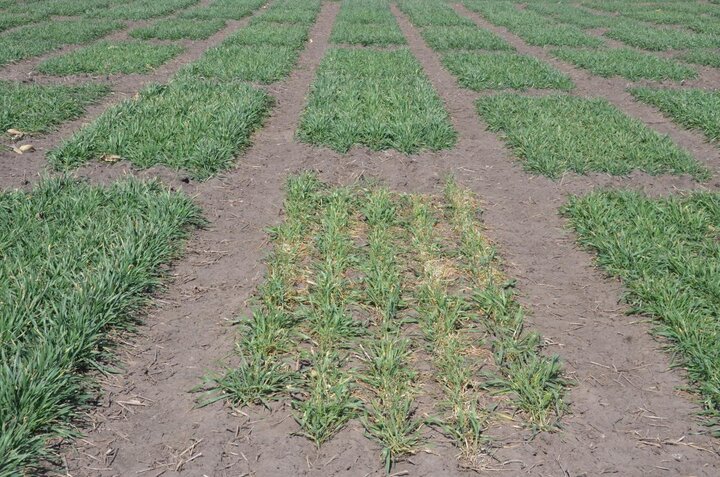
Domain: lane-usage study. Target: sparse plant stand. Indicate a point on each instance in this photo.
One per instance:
(343, 285)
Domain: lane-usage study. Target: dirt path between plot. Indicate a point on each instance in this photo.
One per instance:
(626, 411)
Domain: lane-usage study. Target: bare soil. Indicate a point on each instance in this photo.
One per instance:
(627, 416)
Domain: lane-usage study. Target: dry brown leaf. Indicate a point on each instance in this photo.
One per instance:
(24, 148)
(111, 158)
(15, 133)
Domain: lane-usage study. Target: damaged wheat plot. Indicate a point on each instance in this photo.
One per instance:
(364, 284)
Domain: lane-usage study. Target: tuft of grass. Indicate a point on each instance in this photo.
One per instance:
(367, 34)
(224, 10)
(662, 16)
(82, 260)
(141, 9)
(39, 108)
(702, 57)
(479, 71)
(261, 375)
(554, 35)
(187, 124)
(653, 38)
(560, 133)
(458, 280)
(443, 320)
(326, 310)
(534, 380)
(255, 380)
(327, 402)
(379, 99)
(389, 417)
(704, 24)
(624, 8)
(666, 252)
(300, 15)
(383, 284)
(231, 62)
(329, 405)
(34, 40)
(106, 58)
(443, 38)
(179, 28)
(626, 62)
(693, 108)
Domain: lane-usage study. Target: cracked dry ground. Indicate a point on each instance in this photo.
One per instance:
(626, 414)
